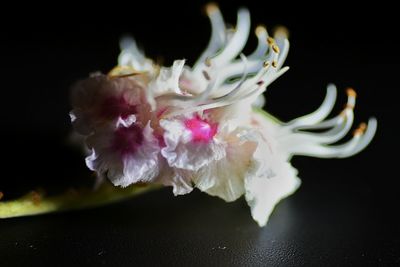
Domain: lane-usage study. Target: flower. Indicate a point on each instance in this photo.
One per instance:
(202, 126)
(113, 115)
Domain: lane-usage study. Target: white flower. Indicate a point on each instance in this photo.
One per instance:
(100, 99)
(113, 115)
(126, 153)
(191, 143)
(214, 158)
(202, 126)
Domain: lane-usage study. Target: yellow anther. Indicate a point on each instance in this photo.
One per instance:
(343, 113)
(361, 129)
(208, 62)
(270, 40)
(260, 29)
(123, 71)
(266, 64)
(211, 8)
(275, 48)
(350, 92)
(363, 126)
(348, 106)
(281, 32)
(274, 64)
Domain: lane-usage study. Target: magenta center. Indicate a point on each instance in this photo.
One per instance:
(201, 130)
(127, 139)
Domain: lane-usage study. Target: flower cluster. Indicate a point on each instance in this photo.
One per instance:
(201, 126)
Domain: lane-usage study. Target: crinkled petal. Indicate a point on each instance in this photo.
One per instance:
(121, 169)
(181, 183)
(182, 153)
(174, 177)
(99, 100)
(225, 177)
(167, 82)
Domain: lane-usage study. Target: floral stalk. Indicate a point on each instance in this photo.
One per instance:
(35, 203)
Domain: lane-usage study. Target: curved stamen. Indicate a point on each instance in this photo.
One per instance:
(367, 137)
(318, 115)
(219, 101)
(238, 40)
(267, 78)
(284, 50)
(233, 70)
(217, 34)
(254, 92)
(206, 93)
(342, 127)
(352, 147)
(262, 46)
(281, 38)
(351, 101)
(184, 101)
(259, 86)
(237, 88)
(257, 80)
(275, 75)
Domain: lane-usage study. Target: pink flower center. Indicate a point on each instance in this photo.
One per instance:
(114, 107)
(201, 130)
(127, 139)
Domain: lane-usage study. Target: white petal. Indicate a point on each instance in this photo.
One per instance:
(180, 152)
(123, 170)
(269, 179)
(225, 178)
(167, 82)
(181, 183)
(260, 101)
(262, 193)
(126, 122)
(178, 179)
(98, 100)
(168, 79)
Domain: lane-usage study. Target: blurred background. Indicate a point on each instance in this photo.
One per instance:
(348, 207)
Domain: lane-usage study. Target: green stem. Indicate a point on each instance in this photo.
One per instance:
(33, 203)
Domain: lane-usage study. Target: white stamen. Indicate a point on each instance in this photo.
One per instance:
(217, 35)
(283, 53)
(342, 127)
(237, 87)
(262, 46)
(238, 40)
(352, 147)
(365, 139)
(318, 115)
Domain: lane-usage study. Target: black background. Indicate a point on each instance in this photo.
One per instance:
(345, 213)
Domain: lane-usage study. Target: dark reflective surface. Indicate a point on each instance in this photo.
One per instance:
(345, 212)
(323, 222)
